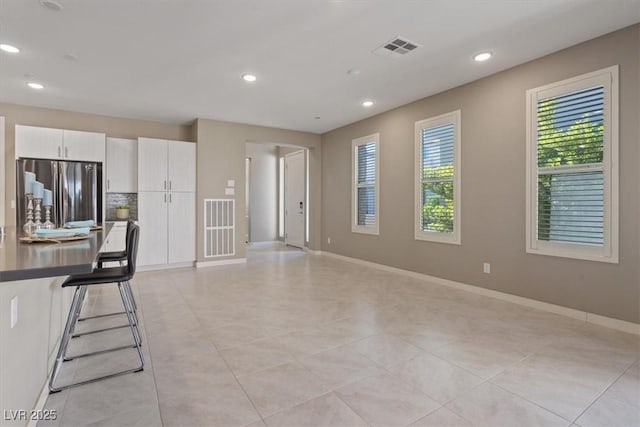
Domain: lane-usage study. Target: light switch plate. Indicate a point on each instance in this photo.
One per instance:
(231, 183)
(14, 311)
(229, 191)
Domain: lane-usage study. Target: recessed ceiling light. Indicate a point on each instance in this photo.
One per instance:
(368, 103)
(249, 77)
(51, 5)
(353, 72)
(481, 57)
(34, 85)
(8, 48)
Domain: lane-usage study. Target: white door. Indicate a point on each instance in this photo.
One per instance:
(85, 146)
(294, 208)
(38, 143)
(152, 216)
(152, 164)
(182, 166)
(182, 227)
(122, 165)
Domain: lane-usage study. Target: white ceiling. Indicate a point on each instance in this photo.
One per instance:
(176, 60)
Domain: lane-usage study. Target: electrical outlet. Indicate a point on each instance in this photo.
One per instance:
(486, 267)
(328, 240)
(13, 204)
(14, 312)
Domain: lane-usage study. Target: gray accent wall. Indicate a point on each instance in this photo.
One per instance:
(493, 187)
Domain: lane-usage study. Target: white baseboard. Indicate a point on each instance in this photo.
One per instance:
(313, 251)
(617, 324)
(165, 266)
(200, 264)
(42, 400)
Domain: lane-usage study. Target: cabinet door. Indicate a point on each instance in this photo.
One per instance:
(122, 165)
(152, 218)
(152, 164)
(38, 143)
(182, 166)
(116, 239)
(84, 146)
(182, 227)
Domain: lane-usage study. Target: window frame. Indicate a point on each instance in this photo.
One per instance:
(608, 252)
(355, 227)
(455, 237)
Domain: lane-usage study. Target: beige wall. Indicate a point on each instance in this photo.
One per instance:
(221, 154)
(112, 126)
(493, 187)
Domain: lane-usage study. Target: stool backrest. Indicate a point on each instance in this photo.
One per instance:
(133, 236)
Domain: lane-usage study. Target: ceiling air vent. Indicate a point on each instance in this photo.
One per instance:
(396, 46)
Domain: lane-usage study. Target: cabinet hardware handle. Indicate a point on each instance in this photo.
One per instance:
(169, 184)
(108, 184)
(169, 197)
(165, 184)
(58, 151)
(165, 198)
(66, 152)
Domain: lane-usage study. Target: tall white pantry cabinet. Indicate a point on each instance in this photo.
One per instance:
(166, 202)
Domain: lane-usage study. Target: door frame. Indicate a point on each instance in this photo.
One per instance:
(304, 153)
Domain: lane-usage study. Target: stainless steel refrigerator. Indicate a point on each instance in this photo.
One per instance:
(76, 187)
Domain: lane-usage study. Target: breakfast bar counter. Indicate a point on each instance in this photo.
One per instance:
(33, 311)
(22, 261)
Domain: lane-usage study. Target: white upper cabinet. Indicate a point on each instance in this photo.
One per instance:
(182, 166)
(122, 165)
(59, 144)
(152, 164)
(38, 143)
(166, 165)
(86, 146)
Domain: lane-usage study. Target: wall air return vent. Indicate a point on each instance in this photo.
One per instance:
(396, 46)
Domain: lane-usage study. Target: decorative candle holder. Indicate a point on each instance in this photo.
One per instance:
(47, 218)
(38, 212)
(29, 226)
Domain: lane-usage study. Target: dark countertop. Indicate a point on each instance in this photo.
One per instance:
(22, 261)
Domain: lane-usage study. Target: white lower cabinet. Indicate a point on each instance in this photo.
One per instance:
(116, 241)
(152, 217)
(167, 227)
(181, 227)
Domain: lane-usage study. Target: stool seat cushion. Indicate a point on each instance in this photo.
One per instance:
(99, 276)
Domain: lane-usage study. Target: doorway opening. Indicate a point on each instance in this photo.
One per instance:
(277, 194)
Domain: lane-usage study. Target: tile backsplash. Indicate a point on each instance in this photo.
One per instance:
(115, 199)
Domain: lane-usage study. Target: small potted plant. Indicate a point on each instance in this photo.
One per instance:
(122, 212)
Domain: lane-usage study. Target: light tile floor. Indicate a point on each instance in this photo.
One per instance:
(292, 339)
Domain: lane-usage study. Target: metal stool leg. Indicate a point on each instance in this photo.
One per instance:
(73, 316)
(128, 301)
(64, 341)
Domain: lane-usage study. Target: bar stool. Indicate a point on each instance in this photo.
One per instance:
(116, 275)
(115, 256)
